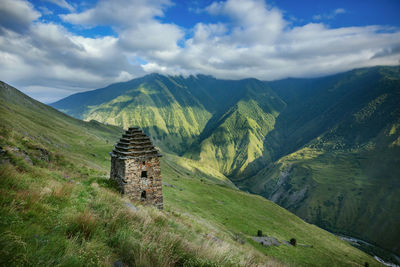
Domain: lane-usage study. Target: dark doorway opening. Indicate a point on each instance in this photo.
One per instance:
(144, 174)
(143, 196)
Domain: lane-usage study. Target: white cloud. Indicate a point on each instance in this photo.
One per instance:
(251, 20)
(135, 23)
(120, 14)
(331, 15)
(151, 37)
(45, 11)
(253, 41)
(317, 17)
(339, 11)
(257, 42)
(46, 55)
(63, 4)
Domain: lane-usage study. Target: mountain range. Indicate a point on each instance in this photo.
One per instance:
(58, 206)
(327, 149)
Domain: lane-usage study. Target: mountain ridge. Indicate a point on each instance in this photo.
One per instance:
(59, 208)
(255, 132)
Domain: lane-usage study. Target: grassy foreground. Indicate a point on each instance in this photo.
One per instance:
(57, 207)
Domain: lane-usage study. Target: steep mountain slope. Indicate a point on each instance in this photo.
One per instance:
(342, 164)
(163, 108)
(311, 145)
(25, 117)
(318, 105)
(58, 208)
(212, 116)
(235, 140)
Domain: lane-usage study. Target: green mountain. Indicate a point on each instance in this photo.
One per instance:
(200, 116)
(57, 206)
(325, 148)
(338, 164)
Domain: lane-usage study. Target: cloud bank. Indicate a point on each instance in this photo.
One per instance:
(48, 61)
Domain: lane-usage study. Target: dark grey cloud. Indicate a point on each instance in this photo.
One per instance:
(17, 15)
(390, 51)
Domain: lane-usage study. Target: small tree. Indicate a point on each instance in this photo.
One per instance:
(259, 233)
(293, 241)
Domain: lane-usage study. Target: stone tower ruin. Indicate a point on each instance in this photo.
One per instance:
(135, 166)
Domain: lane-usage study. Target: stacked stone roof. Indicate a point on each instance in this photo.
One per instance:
(134, 144)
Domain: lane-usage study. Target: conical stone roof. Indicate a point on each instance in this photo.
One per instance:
(134, 144)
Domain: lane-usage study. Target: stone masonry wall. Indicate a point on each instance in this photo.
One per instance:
(117, 172)
(139, 179)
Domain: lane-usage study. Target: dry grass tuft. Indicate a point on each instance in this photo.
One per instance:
(63, 191)
(82, 225)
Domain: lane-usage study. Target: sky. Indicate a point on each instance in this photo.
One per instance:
(50, 49)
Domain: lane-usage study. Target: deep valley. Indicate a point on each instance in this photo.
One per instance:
(325, 148)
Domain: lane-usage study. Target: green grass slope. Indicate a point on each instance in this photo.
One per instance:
(236, 143)
(58, 208)
(315, 106)
(342, 125)
(161, 106)
(45, 128)
(199, 115)
(345, 176)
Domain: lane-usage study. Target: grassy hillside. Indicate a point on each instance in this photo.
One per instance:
(58, 208)
(345, 175)
(236, 141)
(342, 130)
(164, 108)
(199, 116)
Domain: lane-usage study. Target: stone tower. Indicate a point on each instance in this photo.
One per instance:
(135, 166)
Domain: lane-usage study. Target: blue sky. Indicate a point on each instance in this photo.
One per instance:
(188, 13)
(52, 48)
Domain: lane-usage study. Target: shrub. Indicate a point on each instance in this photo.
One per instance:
(293, 241)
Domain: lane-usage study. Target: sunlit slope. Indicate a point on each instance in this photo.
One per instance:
(247, 130)
(58, 208)
(236, 142)
(223, 122)
(162, 107)
(242, 214)
(85, 142)
(63, 211)
(346, 179)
